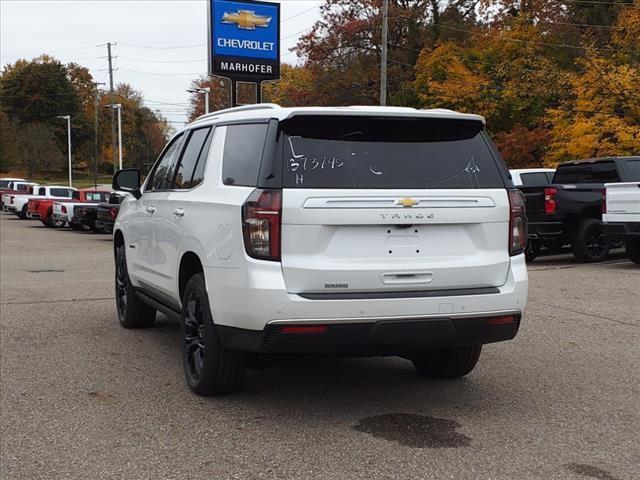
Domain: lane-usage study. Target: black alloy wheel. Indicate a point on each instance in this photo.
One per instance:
(194, 341)
(121, 286)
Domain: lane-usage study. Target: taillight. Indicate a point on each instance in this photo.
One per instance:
(604, 201)
(517, 223)
(261, 215)
(11, 199)
(114, 213)
(550, 204)
(64, 209)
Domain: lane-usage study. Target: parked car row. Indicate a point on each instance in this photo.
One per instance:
(568, 210)
(56, 206)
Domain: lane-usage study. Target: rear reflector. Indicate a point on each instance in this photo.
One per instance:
(304, 329)
(501, 320)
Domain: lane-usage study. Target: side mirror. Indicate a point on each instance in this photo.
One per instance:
(127, 180)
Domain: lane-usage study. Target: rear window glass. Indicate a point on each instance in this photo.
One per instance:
(4, 183)
(364, 152)
(21, 187)
(534, 179)
(632, 169)
(600, 172)
(61, 192)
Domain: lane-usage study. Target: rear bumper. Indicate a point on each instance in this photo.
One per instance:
(623, 229)
(10, 209)
(544, 230)
(59, 217)
(33, 215)
(255, 303)
(382, 337)
(105, 226)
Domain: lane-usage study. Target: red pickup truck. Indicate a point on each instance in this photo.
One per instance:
(42, 208)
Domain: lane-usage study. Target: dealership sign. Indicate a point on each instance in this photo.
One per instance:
(244, 40)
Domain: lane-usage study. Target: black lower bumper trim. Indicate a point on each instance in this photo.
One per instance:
(623, 229)
(457, 292)
(385, 337)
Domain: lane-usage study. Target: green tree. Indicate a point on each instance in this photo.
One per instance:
(38, 149)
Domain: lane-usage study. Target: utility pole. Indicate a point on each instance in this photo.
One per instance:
(112, 100)
(68, 119)
(383, 56)
(95, 137)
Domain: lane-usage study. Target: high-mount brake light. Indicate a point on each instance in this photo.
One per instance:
(550, 204)
(517, 223)
(261, 222)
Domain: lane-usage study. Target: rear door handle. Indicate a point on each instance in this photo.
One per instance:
(151, 210)
(179, 212)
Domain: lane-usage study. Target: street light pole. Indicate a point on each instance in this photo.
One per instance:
(118, 106)
(206, 91)
(383, 56)
(68, 119)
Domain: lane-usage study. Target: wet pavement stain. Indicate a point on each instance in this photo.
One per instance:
(415, 431)
(590, 471)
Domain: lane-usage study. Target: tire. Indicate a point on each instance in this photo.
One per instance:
(132, 312)
(210, 368)
(50, 222)
(23, 213)
(451, 362)
(591, 243)
(633, 250)
(532, 251)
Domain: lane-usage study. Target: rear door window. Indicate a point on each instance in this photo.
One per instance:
(243, 148)
(399, 153)
(194, 154)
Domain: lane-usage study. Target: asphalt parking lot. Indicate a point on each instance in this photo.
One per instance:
(83, 398)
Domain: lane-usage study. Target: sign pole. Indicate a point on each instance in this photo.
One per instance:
(258, 92)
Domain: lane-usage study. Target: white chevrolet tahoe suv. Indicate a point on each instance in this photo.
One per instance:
(347, 231)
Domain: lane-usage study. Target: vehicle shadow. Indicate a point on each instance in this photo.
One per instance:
(348, 388)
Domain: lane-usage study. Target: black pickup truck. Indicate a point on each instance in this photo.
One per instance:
(569, 210)
(100, 218)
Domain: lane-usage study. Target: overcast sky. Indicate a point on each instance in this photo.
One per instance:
(147, 33)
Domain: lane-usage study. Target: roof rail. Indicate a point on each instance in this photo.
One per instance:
(241, 108)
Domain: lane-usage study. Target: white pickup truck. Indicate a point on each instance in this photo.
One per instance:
(621, 215)
(12, 188)
(18, 203)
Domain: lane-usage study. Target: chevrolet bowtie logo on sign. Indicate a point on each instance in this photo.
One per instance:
(407, 202)
(246, 19)
(244, 40)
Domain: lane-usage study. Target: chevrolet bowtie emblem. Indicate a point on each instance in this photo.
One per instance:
(246, 19)
(407, 202)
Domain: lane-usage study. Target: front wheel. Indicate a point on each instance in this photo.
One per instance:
(633, 250)
(450, 362)
(132, 312)
(591, 243)
(209, 367)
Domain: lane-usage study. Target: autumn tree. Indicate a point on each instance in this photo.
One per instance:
(38, 149)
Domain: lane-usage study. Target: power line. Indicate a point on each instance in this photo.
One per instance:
(46, 53)
(163, 74)
(302, 12)
(200, 60)
(155, 47)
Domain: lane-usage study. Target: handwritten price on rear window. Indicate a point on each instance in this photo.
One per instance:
(305, 164)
